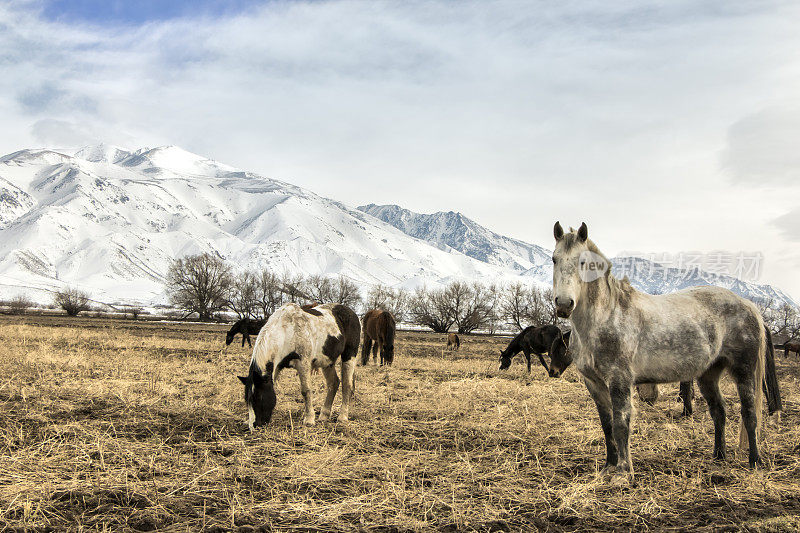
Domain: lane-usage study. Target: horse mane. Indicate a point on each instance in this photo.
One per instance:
(309, 308)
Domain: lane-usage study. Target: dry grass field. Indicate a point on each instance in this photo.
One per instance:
(114, 425)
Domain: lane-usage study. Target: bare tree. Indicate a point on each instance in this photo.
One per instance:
(20, 304)
(431, 308)
(471, 305)
(492, 301)
(786, 321)
(242, 295)
(345, 292)
(269, 292)
(782, 319)
(319, 288)
(515, 305)
(198, 284)
(393, 300)
(523, 306)
(133, 310)
(72, 300)
(293, 287)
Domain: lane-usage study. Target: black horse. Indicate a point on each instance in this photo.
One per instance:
(538, 340)
(247, 327)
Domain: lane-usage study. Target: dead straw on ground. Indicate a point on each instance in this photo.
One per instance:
(125, 427)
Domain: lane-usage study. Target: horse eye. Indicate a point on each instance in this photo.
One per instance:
(554, 260)
(583, 263)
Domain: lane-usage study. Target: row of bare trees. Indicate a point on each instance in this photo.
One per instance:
(205, 284)
(467, 307)
(782, 319)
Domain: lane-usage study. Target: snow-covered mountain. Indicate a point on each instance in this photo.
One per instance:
(451, 230)
(111, 221)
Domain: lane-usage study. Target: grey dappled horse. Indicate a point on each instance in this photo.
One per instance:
(622, 337)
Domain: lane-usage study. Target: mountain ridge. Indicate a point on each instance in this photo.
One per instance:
(111, 220)
(451, 229)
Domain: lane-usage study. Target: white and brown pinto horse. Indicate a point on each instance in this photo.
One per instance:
(622, 337)
(304, 338)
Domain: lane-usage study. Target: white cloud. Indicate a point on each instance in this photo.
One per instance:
(517, 113)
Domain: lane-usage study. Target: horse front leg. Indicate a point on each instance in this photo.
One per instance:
(527, 355)
(348, 388)
(304, 373)
(332, 383)
(375, 347)
(544, 363)
(621, 390)
(602, 399)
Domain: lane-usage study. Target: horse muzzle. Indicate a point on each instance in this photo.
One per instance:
(564, 306)
(562, 312)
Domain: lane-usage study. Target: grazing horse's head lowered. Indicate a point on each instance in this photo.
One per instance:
(259, 395)
(560, 356)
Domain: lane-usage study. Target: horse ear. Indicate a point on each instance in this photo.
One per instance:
(583, 232)
(558, 231)
(243, 379)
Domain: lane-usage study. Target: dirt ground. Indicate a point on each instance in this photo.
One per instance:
(121, 425)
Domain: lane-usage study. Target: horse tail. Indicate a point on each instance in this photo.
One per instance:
(766, 382)
(773, 391)
(390, 327)
(744, 441)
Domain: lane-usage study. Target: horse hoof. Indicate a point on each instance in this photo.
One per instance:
(607, 472)
(324, 418)
(343, 418)
(621, 479)
(308, 423)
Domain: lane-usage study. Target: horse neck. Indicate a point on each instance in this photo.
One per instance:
(594, 304)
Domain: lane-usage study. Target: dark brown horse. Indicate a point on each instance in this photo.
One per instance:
(379, 330)
(453, 342)
(245, 326)
(791, 346)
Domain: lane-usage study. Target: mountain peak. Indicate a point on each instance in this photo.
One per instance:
(102, 153)
(452, 229)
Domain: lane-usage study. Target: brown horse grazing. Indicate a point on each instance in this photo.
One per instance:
(379, 330)
(791, 346)
(453, 342)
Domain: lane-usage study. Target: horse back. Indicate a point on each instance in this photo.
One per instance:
(683, 333)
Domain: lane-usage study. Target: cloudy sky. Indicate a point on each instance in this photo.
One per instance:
(668, 126)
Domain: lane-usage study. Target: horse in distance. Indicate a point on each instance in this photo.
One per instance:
(453, 342)
(305, 338)
(379, 331)
(626, 337)
(791, 346)
(245, 326)
(531, 340)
